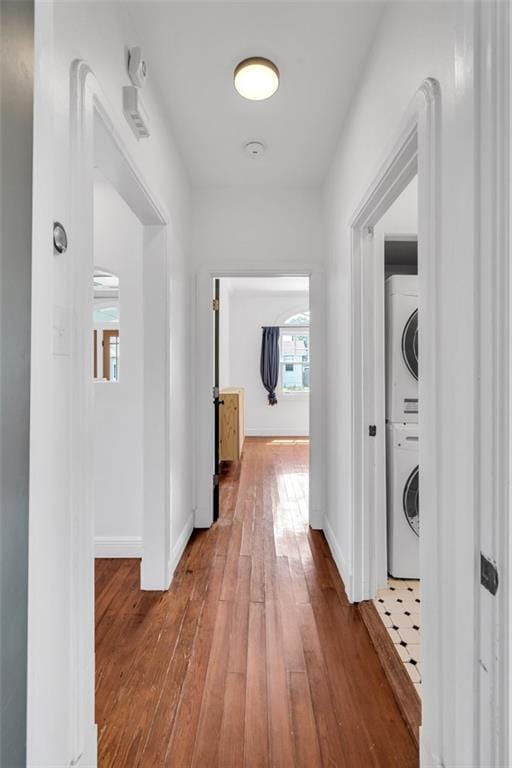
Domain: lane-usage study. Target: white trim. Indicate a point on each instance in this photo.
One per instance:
(337, 553)
(89, 757)
(179, 547)
(279, 432)
(203, 426)
(427, 759)
(120, 546)
(94, 139)
(400, 166)
(493, 429)
(416, 150)
(506, 724)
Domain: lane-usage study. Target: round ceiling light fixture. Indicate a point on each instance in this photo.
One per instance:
(256, 78)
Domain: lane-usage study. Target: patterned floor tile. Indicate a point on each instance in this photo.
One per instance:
(399, 606)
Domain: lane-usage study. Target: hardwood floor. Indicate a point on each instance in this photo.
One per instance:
(254, 657)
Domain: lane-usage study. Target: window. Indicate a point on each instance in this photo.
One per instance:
(111, 355)
(301, 318)
(294, 350)
(106, 315)
(106, 326)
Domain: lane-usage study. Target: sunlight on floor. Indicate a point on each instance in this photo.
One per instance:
(291, 513)
(289, 441)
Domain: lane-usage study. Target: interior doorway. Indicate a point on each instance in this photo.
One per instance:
(385, 519)
(261, 381)
(397, 602)
(205, 379)
(97, 146)
(118, 392)
(392, 323)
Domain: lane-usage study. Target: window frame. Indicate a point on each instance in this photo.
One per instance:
(304, 330)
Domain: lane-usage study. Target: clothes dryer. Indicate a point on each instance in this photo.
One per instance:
(403, 501)
(402, 349)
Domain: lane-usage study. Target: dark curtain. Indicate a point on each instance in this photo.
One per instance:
(269, 363)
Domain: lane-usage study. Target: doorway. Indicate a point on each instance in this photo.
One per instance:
(204, 417)
(262, 374)
(395, 622)
(118, 349)
(413, 155)
(96, 145)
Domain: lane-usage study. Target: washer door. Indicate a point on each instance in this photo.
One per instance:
(410, 344)
(411, 500)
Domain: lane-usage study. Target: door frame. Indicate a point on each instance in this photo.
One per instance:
(216, 399)
(415, 152)
(96, 141)
(466, 700)
(204, 427)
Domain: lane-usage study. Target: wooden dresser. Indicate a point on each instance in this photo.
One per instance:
(232, 424)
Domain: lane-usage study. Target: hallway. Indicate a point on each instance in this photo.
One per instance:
(254, 657)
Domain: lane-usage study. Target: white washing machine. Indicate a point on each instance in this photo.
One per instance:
(402, 349)
(403, 501)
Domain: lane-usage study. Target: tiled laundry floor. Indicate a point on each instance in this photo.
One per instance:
(399, 606)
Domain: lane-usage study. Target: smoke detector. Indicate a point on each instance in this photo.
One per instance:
(134, 111)
(254, 149)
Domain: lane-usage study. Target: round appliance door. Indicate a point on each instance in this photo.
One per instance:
(411, 500)
(410, 344)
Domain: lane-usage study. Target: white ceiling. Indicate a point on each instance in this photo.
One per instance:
(192, 49)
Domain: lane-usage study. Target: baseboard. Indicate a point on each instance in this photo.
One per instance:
(275, 432)
(179, 547)
(89, 758)
(401, 684)
(316, 519)
(203, 517)
(427, 759)
(341, 564)
(118, 546)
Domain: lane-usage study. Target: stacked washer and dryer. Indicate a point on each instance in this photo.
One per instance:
(402, 426)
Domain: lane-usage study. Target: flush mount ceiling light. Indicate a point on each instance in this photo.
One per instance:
(256, 78)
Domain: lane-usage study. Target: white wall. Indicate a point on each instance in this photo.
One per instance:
(257, 226)
(416, 41)
(253, 230)
(99, 33)
(401, 218)
(249, 310)
(118, 406)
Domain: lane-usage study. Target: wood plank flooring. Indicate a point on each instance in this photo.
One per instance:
(254, 658)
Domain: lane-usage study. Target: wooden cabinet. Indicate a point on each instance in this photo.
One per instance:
(232, 424)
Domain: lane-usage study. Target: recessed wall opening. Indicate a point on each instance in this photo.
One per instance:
(126, 371)
(118, 377)
(392, 322)
(261, 378)
(398, 601)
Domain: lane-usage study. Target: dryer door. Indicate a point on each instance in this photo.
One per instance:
(411, 500)
(410, 344)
